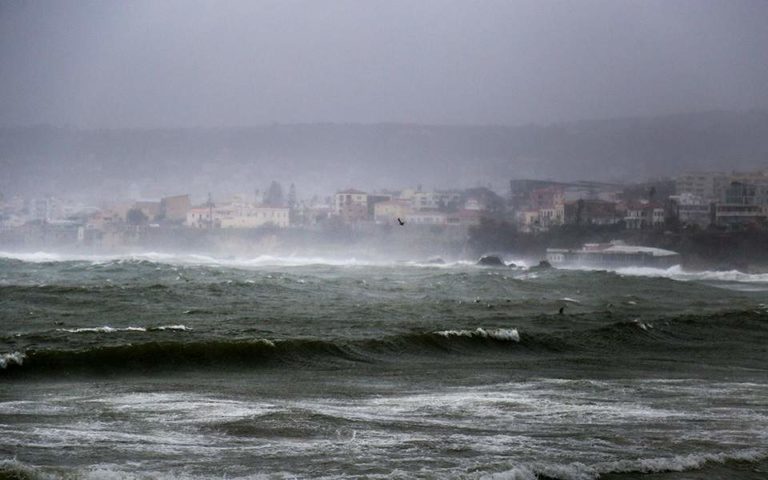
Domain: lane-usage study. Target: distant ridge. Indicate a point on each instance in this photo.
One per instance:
(325, 156)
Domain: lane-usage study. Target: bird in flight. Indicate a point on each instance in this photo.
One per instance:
(400, 221)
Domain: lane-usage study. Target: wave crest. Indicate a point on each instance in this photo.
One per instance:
(7, 359)
(581, 471)
(504, 334)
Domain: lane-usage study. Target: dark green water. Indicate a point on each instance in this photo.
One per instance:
(162, 366)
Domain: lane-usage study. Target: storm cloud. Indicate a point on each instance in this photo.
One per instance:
(152, 64)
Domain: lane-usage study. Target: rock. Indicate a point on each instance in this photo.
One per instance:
(543, 265)
(490, 261)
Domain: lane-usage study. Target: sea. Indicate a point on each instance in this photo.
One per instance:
(171, 366)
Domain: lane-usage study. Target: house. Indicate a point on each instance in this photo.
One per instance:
(691, 209)
(238, 215)
(707, 185)
(643, 214)
(252, 216)
(465, 217)
(149, 208)
(744, 204)
(374, 199)
(427, 217)
(389, 211)
(175, 208)
(590, 212)
(528, 220)
(351, 205)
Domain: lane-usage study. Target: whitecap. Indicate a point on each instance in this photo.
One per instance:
(11, 358)
(506, 334)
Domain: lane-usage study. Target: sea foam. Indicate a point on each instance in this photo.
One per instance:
(11, 358)
(581, 471)
(507, 334)
(108, 329)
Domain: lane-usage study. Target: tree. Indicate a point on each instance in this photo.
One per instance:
(274, 196)
(292, 196)
(136, 217)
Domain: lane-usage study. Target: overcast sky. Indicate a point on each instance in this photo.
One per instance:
(225, 63)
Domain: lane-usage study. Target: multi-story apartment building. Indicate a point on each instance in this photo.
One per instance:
(351, 205)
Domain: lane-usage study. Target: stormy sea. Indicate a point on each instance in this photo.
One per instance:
(155, 366)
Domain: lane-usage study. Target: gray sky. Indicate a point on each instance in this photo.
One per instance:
(212, 63)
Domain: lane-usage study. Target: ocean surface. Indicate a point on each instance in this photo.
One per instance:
(156, 366)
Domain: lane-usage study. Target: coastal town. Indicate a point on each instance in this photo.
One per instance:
(699, 201)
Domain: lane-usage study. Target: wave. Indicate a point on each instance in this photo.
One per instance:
(177, 259)
(676, 272)
(206, 260)
(581, 471)
(740, 336)
(7, 359)
(13, 468)
(108, 329)
(495, 333)
(254, 352)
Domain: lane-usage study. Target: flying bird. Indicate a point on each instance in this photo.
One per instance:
(400, 221)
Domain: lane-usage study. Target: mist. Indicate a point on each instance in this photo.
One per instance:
(171, 64)
(433, 109)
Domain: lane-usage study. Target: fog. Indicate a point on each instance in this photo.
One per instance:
(109, 107)
(149, 64)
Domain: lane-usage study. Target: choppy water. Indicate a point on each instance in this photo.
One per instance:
(166, 366)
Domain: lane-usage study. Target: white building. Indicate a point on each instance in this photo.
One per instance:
(427, 218)
(238, 215)
(351, 205)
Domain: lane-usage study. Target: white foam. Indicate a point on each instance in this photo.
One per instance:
(11, 358)
(104, 329)
(570, 300)
(676, 272)
(234, 262)
(508, 334)
(580, 471)
(181, 328)
(108, 329)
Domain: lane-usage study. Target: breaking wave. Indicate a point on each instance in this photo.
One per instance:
(207, 260)
(678, 273)
(7, 359)
(108, 329)
(496, 333)
(581, 471)
(744, 332)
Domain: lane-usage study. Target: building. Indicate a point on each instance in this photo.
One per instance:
(427, 217)
(528, 220)
(374, 199)
(150, 209)
(238, 215)
(466, 218)
(590, 212)
(389, 211)
(707, 185)
(175, 208)
(252, 216)
(546, 197)
(351, 205)
(520, 191)
(643, 214)
(691, 209)
(743, 204)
